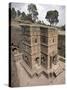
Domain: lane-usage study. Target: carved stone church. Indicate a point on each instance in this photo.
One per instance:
(39, 47)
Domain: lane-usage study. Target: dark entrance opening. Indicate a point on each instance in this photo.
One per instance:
(50, 74)
(37, 58)
(55, 59)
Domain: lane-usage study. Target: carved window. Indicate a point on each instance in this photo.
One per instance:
(55, 59)
(43, 59)
(37, 58)
(53, 39)
(35, 40)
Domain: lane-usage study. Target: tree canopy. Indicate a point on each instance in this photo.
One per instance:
(33, 11)
(13, 13)
(23, 15)
(52, 17)
(18, 12)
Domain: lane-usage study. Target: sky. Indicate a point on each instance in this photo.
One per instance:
(42, 10)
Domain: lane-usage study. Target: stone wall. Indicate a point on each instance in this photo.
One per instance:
(61, 45)
(14, 74)
(35, 43)
(16, 36)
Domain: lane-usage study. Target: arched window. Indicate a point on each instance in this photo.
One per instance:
(37, 58)
(26, 58)
(53, 39)
(35, 40)
(43, 60)
(55, 59)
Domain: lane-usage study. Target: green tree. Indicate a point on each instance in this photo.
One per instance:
(13, 13)
(23, 16)
(52, 17)
(33, 11)
(18, 13)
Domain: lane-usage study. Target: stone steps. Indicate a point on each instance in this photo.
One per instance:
(58, 70)
(32, 73)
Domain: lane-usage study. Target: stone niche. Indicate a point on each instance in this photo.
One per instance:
(44, 60)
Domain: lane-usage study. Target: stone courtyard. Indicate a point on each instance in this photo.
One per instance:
(25, 80)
